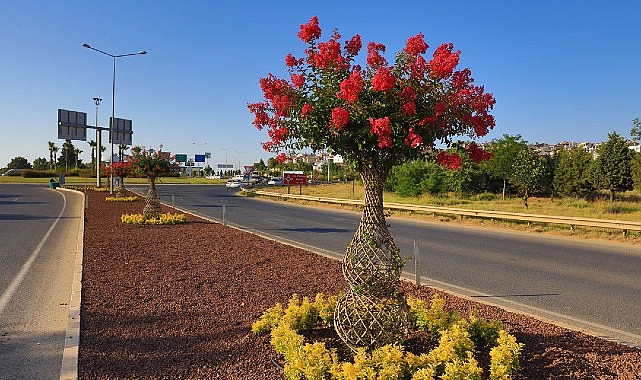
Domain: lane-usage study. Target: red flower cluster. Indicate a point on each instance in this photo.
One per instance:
(120, 169)
(383, 80)
(351, 87)
(426, 101)
(310, 31)
(340, 117)
(381, 127)
(416, 45)
(374, 58)
(413, 139)
(291, 61)
(449, 161)
(281, 157)
(278, 92)
(409, 109)
(443, 61)
(328, 55)
(306, 110)
(298, 80)
(353, 46)
(478, 154)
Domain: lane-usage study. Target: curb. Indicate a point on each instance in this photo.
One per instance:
(69, 368)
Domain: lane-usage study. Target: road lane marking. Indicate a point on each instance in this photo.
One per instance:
(13, 286)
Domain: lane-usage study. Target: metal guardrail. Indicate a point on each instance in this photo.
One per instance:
(625, 226)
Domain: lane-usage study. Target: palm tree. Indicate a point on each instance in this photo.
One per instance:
(67, 148)
(121, 151)
(77, 152)
(52, 146)
(93, 146)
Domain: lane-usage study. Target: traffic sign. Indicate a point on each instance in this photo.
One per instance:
(294, 179)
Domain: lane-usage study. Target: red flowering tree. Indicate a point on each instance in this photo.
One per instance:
(151, 165)
(376, 116)
(120, 169)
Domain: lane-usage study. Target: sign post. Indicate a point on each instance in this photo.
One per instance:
(294, 178)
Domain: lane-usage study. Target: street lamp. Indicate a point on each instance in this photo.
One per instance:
(113, 104)
(98, 142)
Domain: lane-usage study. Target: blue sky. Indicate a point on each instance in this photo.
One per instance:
(559, 70)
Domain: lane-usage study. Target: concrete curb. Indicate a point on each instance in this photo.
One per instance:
(69, 368)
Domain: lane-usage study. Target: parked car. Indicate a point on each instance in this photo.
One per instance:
(234, 184)
(276, 181)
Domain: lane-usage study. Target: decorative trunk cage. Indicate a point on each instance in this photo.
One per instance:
(373, 312)
(152, 201)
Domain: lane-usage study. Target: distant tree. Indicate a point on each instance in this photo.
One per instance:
(121, 151)
(527, 170)
(67, 156)
(77, 152)
(55, 150)
(40, 164)
(612, 166)
(572, 175)
(52, 161)
(272, 162)
(260, 166)
(93, 144)
(635, 132)
(19, 163)
(546, 181)
(636, 171)
(505, 150)
(413, 178)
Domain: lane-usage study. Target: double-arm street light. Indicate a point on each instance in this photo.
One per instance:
(113, 104)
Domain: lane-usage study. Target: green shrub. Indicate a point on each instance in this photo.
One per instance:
(618, 208)
(487, 197)
(28, 173)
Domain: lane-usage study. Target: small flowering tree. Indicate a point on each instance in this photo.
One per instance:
(151, 166)
(375, 116)
(120, 169)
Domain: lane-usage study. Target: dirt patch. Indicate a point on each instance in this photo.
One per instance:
(177, 302)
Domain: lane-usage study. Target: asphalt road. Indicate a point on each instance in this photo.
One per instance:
(587, 285)
(39, 232)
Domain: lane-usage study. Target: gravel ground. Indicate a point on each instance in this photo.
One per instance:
(177, 302)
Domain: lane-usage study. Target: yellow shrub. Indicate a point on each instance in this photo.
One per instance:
(167, 218)
(505, 357)
(121, 199)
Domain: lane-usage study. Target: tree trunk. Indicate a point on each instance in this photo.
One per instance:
(373, 312)
(152, 202)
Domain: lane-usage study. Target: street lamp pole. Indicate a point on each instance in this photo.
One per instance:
(113, 104)
(98, 142)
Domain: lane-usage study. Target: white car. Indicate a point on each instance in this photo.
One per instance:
(276, 181)
(234, 184)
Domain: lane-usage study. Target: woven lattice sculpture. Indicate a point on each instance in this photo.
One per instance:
(152, 202)
(372, 313)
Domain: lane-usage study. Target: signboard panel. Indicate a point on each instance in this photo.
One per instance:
(181, 158)
(294, 178)
(225, 166)
(72, 125)
(199, 158)
(72, 133)
(121, 131)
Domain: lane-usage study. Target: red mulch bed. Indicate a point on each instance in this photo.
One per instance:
(177, 302)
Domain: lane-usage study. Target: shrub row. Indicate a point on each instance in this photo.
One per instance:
(452, 358)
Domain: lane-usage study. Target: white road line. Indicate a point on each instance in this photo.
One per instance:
(13, 286)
